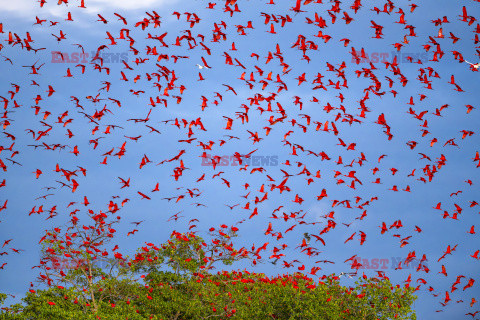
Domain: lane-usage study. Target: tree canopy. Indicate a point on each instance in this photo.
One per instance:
(175, 280)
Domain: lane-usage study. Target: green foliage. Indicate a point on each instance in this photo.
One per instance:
(177, 285)
(237, 295)
(187, 253)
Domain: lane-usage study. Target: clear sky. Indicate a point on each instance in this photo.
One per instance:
(423, 115)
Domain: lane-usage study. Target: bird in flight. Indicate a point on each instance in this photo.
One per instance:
(474, 65)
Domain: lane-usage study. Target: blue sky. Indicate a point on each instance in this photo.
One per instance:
(413, 208)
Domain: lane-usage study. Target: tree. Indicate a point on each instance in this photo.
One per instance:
(92, 275)
(176, 283)
(188, 253)
(238, 295)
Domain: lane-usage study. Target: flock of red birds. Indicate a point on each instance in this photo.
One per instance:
(245, 85)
